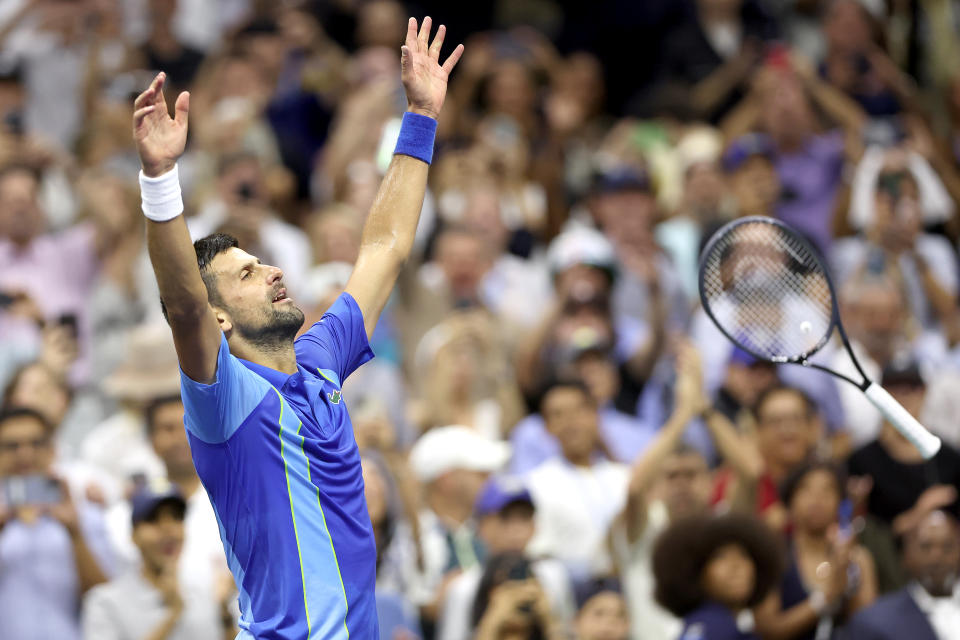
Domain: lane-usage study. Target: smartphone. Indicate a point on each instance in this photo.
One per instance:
(845, 517)
(35, 489)
(520, 571)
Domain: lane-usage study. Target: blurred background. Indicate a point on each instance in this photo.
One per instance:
(548, 397)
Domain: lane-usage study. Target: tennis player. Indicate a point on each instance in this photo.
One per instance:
(270, 434)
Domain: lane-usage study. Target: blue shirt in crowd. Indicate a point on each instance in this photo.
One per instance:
(277, 456)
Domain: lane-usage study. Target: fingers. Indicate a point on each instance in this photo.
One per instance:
(438, 42)
(140, 114)
(451, 62)
(153, 91)
(423, 37)
(411, 32)
(182, 108)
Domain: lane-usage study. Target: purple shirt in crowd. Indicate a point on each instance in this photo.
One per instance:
(809, 179)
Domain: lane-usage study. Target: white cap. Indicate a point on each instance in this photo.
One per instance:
(456, 447)
(581, 245)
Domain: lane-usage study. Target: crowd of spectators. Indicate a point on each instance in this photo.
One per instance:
(556, 441)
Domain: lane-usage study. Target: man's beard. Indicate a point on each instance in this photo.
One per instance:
(276, 332)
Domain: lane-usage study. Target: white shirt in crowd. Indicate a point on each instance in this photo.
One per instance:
(574, 507)
(943, 613)
(648, 620)
(202, 560)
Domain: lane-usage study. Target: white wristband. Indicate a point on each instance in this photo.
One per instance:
(160, 197)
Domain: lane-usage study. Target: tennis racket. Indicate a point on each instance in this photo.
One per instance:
(767, 289)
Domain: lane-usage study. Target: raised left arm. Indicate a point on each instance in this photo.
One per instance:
(392, 223)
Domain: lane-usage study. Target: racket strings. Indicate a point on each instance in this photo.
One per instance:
(768, 291)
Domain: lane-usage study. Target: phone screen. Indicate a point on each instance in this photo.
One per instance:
(30, 490)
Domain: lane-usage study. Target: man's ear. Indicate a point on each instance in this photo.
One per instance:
(223, 319)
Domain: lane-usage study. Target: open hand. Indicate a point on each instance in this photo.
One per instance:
(424, 78)
(160, 139)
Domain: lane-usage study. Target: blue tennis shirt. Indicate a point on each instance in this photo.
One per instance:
(277, 456)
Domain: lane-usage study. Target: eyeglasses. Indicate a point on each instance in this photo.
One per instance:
(14, 446)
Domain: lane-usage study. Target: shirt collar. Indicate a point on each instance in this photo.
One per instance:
(926, 602)
(274, 377)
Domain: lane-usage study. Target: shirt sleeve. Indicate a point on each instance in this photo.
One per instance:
(338, 342)
(214, 412)
(97, 619)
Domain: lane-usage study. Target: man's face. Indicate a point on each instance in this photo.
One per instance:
(464, 262)
(910, 396)
(20, 215)
(603, 617)
(932, 554)
(756, 186)
(745, 382)
(786, 431)
(705, 186)
(169, 439)
(785, 110)
(160, 539)
(253, 300)
(25, 447)
(878, 320)
(571, 416)
(510, 529)
(626, 217)
(684, 484)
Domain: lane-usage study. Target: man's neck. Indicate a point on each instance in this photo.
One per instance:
(281, 358)
(579, 460)
(451, 513)
(150, 573)
(188, 482)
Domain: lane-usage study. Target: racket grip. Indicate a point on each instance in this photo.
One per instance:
(925, 442)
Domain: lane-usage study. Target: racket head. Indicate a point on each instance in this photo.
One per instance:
(768, 290)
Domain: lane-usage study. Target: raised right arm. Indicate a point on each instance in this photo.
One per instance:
(160, 140)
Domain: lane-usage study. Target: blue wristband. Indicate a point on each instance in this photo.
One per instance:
(416, 136)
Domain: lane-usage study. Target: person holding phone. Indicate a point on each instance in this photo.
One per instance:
(52, 549)
(510, 603)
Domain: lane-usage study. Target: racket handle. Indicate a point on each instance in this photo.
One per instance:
(925, 442)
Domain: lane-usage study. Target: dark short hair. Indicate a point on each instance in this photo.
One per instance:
(788, 488)
(561, 382)
(14, 413)
(150, 411)
(683, 550)
(207, 248)
(766, 394)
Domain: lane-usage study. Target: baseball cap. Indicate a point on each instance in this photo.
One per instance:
(902, 372)
(581, 245)
(151, 496)
(499, 492)
(584, 591)
(622, 178)
(456, 447)
(744, 148)
(743, 358)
